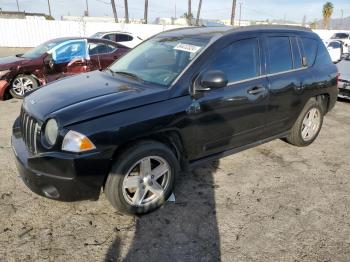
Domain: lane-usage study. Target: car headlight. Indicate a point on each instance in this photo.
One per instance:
(76, 142)
(51, 131)
(4, 72)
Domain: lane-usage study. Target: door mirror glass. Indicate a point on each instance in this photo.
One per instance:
(212, 79)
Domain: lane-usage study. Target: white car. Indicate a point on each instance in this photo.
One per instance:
(335, 50)
(344, 78)
(343, 37)
(127, 39)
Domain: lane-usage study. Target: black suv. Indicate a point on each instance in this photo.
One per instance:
(180, 98)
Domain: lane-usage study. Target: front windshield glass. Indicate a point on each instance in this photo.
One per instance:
(97, 35)
(159, 60)
(41, 49)
(340, 36)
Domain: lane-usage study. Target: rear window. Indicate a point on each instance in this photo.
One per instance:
(310, 50)
(280, 55)
(323, 57)
(340, 36)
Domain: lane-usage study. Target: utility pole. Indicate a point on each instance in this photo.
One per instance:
(342, 18)
(48, 3)
(304, 21)
(199, 12)
(233, 12)
(114, 11)
(126, 11)
(240, 13)
(175, 9)
(146, 11)
(87, 8)
(17, 5)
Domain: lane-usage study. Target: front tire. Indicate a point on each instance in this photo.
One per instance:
(22, 84)
(142, 178)
(308, 125)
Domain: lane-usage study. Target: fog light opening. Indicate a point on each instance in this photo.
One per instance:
(50, 192)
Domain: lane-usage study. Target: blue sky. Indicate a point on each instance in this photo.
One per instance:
(218, 9)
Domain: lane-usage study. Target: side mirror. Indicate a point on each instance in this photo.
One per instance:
(211, 80)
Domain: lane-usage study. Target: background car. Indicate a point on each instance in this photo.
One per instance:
(127, 39)
(55, 59)
(344, 78)
(335, 50)
(343, 37)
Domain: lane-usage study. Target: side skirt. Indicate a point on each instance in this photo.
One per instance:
(204, 160)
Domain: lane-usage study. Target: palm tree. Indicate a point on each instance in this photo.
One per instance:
(198, 12)
(189, 13)
(126, 11)
(327, 12)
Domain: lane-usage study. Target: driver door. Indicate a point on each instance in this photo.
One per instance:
(70, 57)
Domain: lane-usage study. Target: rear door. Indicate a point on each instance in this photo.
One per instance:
(233, 116)
(102, 54)
(287, 79)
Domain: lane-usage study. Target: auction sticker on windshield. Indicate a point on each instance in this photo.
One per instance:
(187, 47)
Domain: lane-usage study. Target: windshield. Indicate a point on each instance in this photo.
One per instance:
(98, 35)
(340, 36)
(41, 49)
(159, 60)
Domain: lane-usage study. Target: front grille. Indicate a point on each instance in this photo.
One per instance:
(30, 130)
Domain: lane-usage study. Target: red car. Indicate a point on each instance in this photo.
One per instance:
(53, 60)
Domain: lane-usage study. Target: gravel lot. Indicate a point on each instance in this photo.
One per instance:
(275, 202)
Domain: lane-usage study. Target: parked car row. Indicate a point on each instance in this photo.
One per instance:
(59, 58)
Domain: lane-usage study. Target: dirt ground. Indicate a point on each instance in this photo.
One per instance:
(275, 202)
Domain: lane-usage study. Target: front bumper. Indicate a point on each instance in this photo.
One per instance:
(344, 89)
(58, 175)
(3, 86)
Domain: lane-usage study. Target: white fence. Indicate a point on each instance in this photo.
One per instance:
(30, 33)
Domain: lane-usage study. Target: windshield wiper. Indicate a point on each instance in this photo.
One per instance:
(134, 76)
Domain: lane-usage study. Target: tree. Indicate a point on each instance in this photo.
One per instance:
(188, 17)
(233, 12)
(146, 11)
(198, 12)
(114, 11)
(189, 12)
(327, 12)
(126, 11)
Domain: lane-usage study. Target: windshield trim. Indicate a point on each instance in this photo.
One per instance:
(210, 43)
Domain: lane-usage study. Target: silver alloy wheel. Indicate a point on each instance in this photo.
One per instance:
(21, 85)
(146, 181)
(311, 124)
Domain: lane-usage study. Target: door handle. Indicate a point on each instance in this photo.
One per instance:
(256, 90)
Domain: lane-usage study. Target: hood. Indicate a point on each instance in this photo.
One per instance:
(89, 95)
(344, 69)
(9, 61)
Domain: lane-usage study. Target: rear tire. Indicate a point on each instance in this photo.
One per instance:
(308, 125)
(142, 178)
(22, 84)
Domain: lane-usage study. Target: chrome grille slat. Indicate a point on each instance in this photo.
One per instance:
(30, 129)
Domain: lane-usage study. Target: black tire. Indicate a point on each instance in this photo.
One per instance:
(127, 160)
(33, 84)
(295, 137)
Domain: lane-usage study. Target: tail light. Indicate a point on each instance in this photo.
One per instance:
(337, 77)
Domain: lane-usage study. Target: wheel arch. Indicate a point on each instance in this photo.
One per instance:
(170, 138)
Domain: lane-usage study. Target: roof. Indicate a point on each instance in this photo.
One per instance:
(209, 32)
(87, 38)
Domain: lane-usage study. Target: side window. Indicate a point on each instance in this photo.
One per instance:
(280, 57)
(296, 53)
(100, 48)
(67, 51)
(334, 44)
(310, 50)
(123, 38)
(239, 61)
(110, 37)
